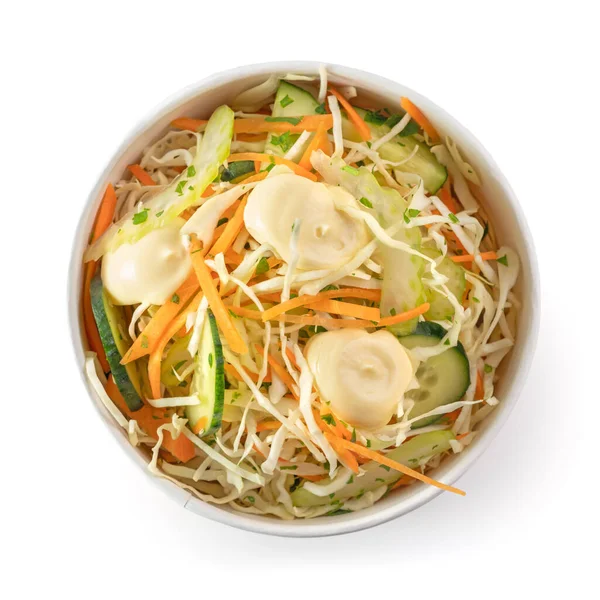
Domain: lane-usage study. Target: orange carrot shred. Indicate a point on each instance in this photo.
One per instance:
(357, 120)
(405, 316)
(420, 119)
(141, 175)
(231, 231)
(460, 258)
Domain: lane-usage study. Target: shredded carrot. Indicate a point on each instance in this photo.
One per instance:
(319, 141)
(267, 426)
(232, 257)
(384, 460)
(231, 231)
(231, 371)
(235, 341)
(200, 425)
(189, 124)
(313, 478)
(470, 257)
(445, 195)
(357, 120)
(251, 137)
(344, 453)
(420, 119)
(156, 355)
(326, 322)
(338, 429)
(150, 419)
(347, 309)
(373, 295)
(280, 370)
(147, 341)
(404, 480)
(479, 391)
(278, 160)
(405, 316)
(104, 218)
(462, 436)
(141, 175)
(257, 125)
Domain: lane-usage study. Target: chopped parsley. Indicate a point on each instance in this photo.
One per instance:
(368, 443)
(288, 467)
(385, 467)
(392, 312)
(180, 186)
(486, 230)
(290, 120)
(175, 298)
(285, 141)
(319, 329)
(286, 101)
(337, 511)
(447, 343)
(410, 129)
(351, 170)
(327, 288)
(379, 479)
(269, 167)
(475, 299)
(503, 260)
(353, 438)
(488, 368)
(410, 213)
(222, 221)
(210, 360)
(332, 495)
(453, 217)
(375, 117)
(191, 171)
(178, 365)
(262, 266)
(321, 110)
(159, 213)
(251, 499)
(360, 163)
(366, 202)
(329, 419)
(350, 480)
(140, 217)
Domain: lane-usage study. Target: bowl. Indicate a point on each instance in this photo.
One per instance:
(501, 206)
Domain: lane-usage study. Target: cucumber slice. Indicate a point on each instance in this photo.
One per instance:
(237, 169)
(409, 454)
(209, 379)
(423, 163)
(440, 307)
(177, 358)
(290, 101)
(112, 327)
(443, 378)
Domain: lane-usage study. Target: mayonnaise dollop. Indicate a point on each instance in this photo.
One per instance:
(362, 375)
(328, 238)
(148, 271)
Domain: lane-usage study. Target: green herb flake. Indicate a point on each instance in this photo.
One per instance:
(321, 110)
(338, 511)
(191, 188)
(144, 341)
(503, 260)
(175, 298)
(222, 221)
(286, 101)
(288, 467)
(486, 230)
(360, 163)
(413, 212)
(366, 202)
(369, 144)
(385, 467)
(262, 266)
(368, 443)
(210, 360)
(351, 170)
(178, 365)
(350, 480)
(330, 287)
(379, 479)
(360, 494)
(285, 141)
(353, 438)
(329, 419)
(475, 299)
(410, 129)
(453, 218)
(331, 495)
(159, 213)
(447, 343)
(183, 384)
(269, 167)
(180, 186)
(375, 117)
(251, 499)
(140, 217)
(191, 171)
(392, 312)
(488, 368)
(290, 120)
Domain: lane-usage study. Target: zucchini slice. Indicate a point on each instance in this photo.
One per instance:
(409, 454)
(440, 307)
(112, 326)
(443, 378)
(237, 169)
(208, 382)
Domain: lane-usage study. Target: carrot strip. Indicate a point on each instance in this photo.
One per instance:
(405, 316)
(319, 141)
(446, 197)
(231, 231)
(200, 425)
(462, 436)
(104, 218)
(420, 119)
(344, 453)
(278, 160)
(267, 426)
(257, 125)
(313, 478)
(326, 322)
(338, 429)
(347, 309)
(141, 175)
(251, 137)
(235, 341)
(384, 460)
(357, 120)
(150, 419)
(479, 391)
(470, 257)
(147, 341)
(280, 370)
(404, 480)
(156, 354)
(230, 370)
(373, 295)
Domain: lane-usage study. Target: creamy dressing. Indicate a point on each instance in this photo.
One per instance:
(361, 375)
(328, 238)
(148, 271)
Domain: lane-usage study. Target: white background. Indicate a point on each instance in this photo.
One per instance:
(81, 521)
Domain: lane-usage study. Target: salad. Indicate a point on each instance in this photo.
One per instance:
(299, 305)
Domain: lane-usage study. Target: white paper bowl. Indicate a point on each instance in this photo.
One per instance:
(504, 211)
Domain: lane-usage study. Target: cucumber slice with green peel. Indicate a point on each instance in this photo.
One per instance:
(440, 307)
(423, 163)
(443, 379)
(410, 454)
(290, 101)
(112, 327)
(177, 358)
(208, 382)
(237, 169)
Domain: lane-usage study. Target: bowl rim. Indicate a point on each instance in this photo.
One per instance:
(353, 521)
